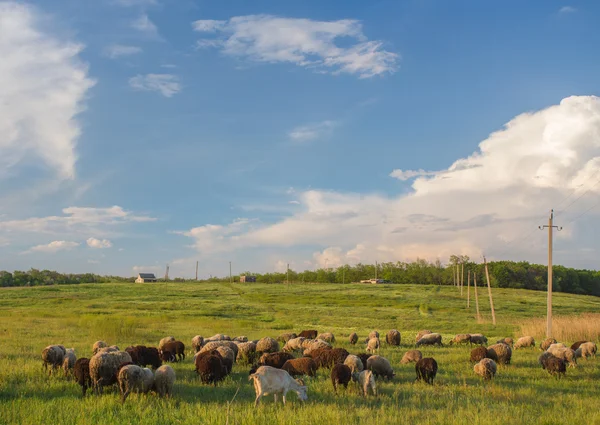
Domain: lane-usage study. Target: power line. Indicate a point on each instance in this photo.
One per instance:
(585, 212)
(580, 196)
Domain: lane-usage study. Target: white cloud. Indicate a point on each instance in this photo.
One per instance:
(53, 247)
(118, 50)
(145, 25)
(409, 174)
(129, 3)
(165, 84)
(43, 84)
(99, 243)
(295, 202)
(307, 133)
(567, 9)
(303, 42)
(498, 194)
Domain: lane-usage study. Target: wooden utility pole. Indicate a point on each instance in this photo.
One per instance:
(196, 270)
(487, 276)
(462, 277)
(230, 275)
(550, 227)
(476, 297)
(468, 288)
(167, 273)
(454, 275)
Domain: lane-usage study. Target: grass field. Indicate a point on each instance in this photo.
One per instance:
(125, 314)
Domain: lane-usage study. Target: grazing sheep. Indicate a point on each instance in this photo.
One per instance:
(197, 343)
(210, 367)
(543, 357)
(363, 358)
(97, 346)
(502, 352)
(132, 378)
(480, 353)
(373, 345)
(576, 345)
(461, 339)
(555, 366)
(267, 345)
(294, 344)
(301, 366)
(240, 338)
(164, 378)
(286, 337)
(562, 352)
(380, 366)
(478, 339)
(268, 380)
(52, 356)
(246, 352)
(309, 334)
(111, 349)
(329, 357)
(146, 356)
(426, 369)
(81, 370)
(218, 337)
(163, 341)
(421, 333)
(373, 334)
(276, 360)
(69, 361)
(226, 353)
(508, 341)
(320, 356)
(430, 339)
(365, 380)
(524, 341)
(411, 356)
(340, 375)
(327, 337)
(177, 348)
(586, 349)
(212, 345)
(486, 368)
(393, 337)
(547, 343)
(105, 366)
(353, 338)
(354, 363)
(315, 345)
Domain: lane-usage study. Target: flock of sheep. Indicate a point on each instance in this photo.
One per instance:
(274, 369)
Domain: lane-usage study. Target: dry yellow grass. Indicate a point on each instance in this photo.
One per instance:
(565, 328)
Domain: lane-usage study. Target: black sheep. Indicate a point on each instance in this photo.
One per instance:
(478, 354)
(211, 368)
(82, 373)
(555, 366)
(276, 360)
(426, 369)
(310, 334)
(340, 375)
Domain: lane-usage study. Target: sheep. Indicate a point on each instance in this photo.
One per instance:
(104, 368)
(421, 333)
(555, 366)
(301, 366)
(329, 357)
(146, 356)
(460, 339)
(111, 349)
(210, 367)
(69, 361)
(177, 348)
(363, 358)
(543, 357)
(393, 337)
(365, 380)
(524, 341)
(52, 356)
(218, 337)
(294, 344)
(353, 338)
(197, 343)
(562, 352)
(316, 345)
(267, 345)
(373, 334)
(426, 370)
(411, 356)
(508, 341)
(276, 360)
(586, 349)
(430, 339)
(240, 338)
(576, 345)
(246, 352)
(327, 337)
(486, 368)
(308, 334)
(354, 363)
(97, 346)
(478, 339)
(380, 366)
(212, 345)
(132, 378)
(373, 345)
(340, 375)
(164, 340)
(547, 343)
(81, 370)
(480, 353)
(226, 353)
(164, 378)
(268, 380)
(502, 352)
(286, 337)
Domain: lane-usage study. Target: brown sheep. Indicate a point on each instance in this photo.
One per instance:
(197, 343)
(508, 341)
(411, 356)
(421, 333)
(363, 358)
(479, 353)
(340, 375)
(486, 368)
(547, 343)
(426, 369)
(502, 351)
(286, 337)
(276, 360)
(461, 339)
(328, 357)
(524, 341)
(353, 338)
(554, 365)
(576, 345)
(210, 367)
(52, 356)
(82, 374)
(301, 366)
(393, 337)
(177, 348)
(309, 334)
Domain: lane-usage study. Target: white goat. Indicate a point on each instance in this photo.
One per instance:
(269, 380)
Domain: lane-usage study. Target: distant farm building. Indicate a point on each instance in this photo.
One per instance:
(245, 279)
(373, 281)
(145, 277)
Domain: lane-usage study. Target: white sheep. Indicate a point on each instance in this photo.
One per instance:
(164, 378)
(373, 345)
(354, 363)
(587, 349)
(365, 380)
(524, 341)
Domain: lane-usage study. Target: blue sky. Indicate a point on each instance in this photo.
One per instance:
(138, 133)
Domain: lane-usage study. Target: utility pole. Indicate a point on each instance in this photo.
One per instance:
(476, 297)
(487, 276)
(468, 288)
(196, 270)
(230, 275)
(550, 227)
(167, 273)
(462, 276)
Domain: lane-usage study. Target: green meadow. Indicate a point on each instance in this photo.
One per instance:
(125, 314)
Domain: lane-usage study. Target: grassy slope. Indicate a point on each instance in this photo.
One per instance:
(123, 314)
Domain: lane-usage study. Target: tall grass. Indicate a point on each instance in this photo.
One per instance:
(565, 328)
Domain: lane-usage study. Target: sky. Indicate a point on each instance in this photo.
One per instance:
(140, 133)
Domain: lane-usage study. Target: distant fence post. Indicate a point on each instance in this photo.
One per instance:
(468, 288)
(462, 277)
(487, 276)
(476, 297)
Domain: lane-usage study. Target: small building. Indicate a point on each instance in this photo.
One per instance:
(246, 279)
(145, 277)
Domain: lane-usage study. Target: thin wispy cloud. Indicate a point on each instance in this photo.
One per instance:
(310, 132)
(166, 84)
(99, 243)
(116, 51)
(130, 3)
(53, 247)
(145, 25)
(567, 9)
(302, 42)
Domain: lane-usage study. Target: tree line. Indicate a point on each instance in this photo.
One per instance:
(503, 274)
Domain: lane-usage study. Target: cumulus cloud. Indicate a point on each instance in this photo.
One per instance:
(327, 46)
(145, 25)
(166, 84)
(478, 205)
(99, 243)
(53, 247)
(310, 132)
(43, 84)
(118, 50)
